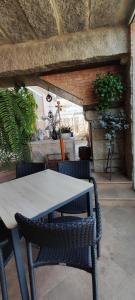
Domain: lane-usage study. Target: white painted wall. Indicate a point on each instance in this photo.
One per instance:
(71, 114)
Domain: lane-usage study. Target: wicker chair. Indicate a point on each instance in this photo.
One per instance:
(82, 169)
(64, 241)
(5, 254)
(24, 169)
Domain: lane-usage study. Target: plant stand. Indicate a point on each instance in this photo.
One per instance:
(109, 162)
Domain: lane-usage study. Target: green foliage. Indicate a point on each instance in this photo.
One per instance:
(65, 129)
(108, 89)
(113, 123)
(17, 123)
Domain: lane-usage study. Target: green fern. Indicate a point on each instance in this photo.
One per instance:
(17, 123)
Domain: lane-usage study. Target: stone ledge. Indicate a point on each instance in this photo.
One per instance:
(95, 45)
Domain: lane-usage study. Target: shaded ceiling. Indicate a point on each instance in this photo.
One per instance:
(24, 20)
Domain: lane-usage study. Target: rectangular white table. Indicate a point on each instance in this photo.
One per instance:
(36, 195)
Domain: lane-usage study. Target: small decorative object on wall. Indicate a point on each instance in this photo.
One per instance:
(52, 123)
(50, 114)
(48, 98)
(108, 89)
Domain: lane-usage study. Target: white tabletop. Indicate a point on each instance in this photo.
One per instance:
(34, 194)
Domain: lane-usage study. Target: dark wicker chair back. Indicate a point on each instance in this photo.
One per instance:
(58, 235)
(67, 242)
(82, 170)
(28, 168)
(79, 169)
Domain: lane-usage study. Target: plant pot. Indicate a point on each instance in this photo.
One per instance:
(84, 153)
(66, 135)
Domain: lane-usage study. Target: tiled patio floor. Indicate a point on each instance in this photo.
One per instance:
(116, 266)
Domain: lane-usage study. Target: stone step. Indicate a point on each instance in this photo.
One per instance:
(117, 193)
(119, 202)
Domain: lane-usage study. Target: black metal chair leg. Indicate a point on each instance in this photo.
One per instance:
(3, 280)
(98, 249)
(19, 264)
(31, 272)
(94, 275)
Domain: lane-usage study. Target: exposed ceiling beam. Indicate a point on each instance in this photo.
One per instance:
(96, 45)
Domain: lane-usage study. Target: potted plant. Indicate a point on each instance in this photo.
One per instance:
(113, 123)
(65, 132)
(108, 89)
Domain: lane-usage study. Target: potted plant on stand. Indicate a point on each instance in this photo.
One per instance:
(108, 89)
(113, 124)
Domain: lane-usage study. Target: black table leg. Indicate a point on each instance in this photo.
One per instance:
(20, 264)
(89, 203)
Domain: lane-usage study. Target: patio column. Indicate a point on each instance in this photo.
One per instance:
(132, 76)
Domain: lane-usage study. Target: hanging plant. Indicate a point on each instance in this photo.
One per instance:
(108, 89)
(17, 123)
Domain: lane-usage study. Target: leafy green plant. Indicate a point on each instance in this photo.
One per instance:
(113, 123)
(17, 123)
(65, 129)
(108, 89)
